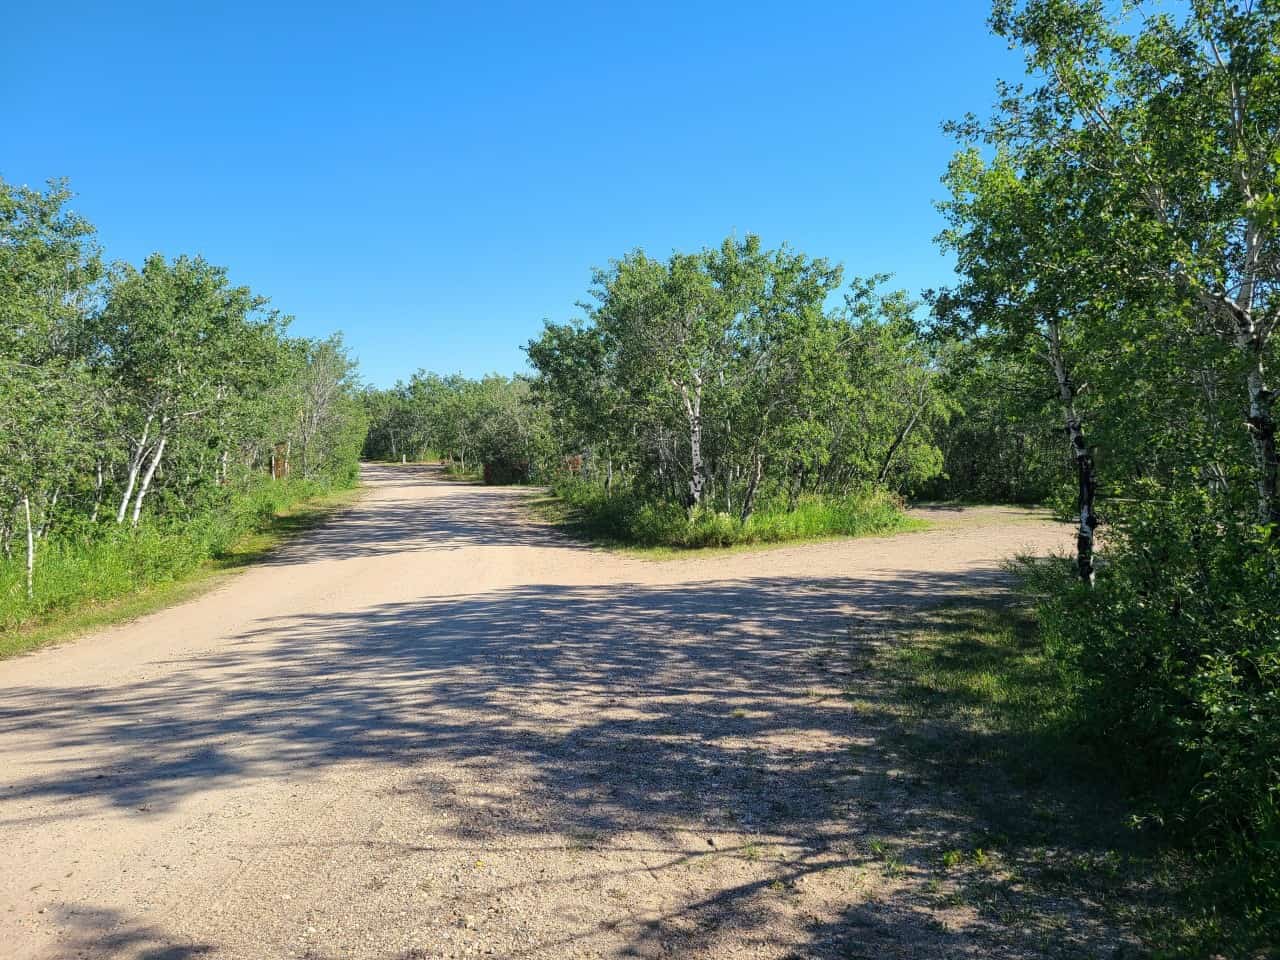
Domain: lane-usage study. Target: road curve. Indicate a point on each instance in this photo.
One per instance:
(436, 727)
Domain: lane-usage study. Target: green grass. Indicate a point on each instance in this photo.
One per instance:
(982, 708)
(84, 587)
(663, 530)
(455, 471)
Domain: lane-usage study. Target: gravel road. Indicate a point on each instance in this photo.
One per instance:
(434, 727)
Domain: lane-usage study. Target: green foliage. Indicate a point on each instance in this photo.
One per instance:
(1174, 663)
(625, 517)
(987, 706)
(718, 381)
(1114, 227)
(100, 566)
(1000, 444)
(1172, 667)
(490, 427)
(141, 409)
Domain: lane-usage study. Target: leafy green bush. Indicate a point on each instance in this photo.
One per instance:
(625, 517)
(1173, 661)
(103, 563)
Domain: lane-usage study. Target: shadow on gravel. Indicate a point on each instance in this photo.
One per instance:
(469, 516)
(107, 933)
(737, 710)
(661, 710)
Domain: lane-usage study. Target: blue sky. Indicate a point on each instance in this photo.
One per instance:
(436, 179)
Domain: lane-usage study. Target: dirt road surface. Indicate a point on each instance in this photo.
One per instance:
(436, 728)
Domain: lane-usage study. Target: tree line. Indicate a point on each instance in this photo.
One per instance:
(137, 393)
(732, 377)
(1116, 225)
(490, 425)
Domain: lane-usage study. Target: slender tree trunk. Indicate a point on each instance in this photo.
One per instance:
(903, 434)
(1262, 432)
(97, 493)
(146, 480)
(753, 485)
(693, 410)
(1086, 477)
(31, 548)
(135, 464)
(1086, 489)
(43, 530)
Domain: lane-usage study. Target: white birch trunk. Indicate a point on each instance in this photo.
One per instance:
(97, 494)
(693, 410)
(146, 480)
(31, 548)
(135, 464)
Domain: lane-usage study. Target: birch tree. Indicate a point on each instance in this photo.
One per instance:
(1180, 116)
(1024, 230)
(176, 341)
(49, 268)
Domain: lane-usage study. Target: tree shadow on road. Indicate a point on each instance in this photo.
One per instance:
(707, 723)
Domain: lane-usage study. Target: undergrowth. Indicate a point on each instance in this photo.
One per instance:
(106, 562)
(990, 707)
(623, 517)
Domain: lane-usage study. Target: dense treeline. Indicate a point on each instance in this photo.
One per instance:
(489, 424)
(719, 379)
(787, 399)
(141, 409)
(1117, 229)
(713, 397)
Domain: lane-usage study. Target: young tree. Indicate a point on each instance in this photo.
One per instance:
(1180, 117)
(176, 340)
(1024, 228)
(49, 268)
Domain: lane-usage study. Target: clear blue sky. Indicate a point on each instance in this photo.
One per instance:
(436, 179)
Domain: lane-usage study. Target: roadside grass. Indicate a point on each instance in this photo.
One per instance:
(661, 532)
(983, 712)
(455, 471)
(70, 622)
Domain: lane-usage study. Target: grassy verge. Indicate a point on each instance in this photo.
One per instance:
(267, 532)
(981, 709)
(455, 471)
(664, 529)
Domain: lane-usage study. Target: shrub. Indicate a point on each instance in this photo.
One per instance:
(102, 563)
(625, 517)
(1173, 660)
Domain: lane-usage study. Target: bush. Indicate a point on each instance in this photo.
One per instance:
(1173, 661)
(624, 517)
(101, 563)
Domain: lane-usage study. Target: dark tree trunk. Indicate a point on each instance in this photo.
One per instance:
(1262, 432)
(1087, 488)
(1086, 476)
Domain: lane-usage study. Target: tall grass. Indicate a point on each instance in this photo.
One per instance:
(623, 517)
(108, 562)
